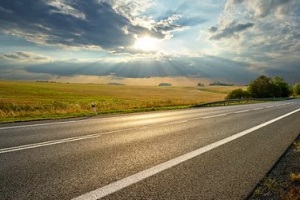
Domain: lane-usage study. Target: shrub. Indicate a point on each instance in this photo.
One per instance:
(280, 87)
(238, 94)
(296, 89)
(265, 87)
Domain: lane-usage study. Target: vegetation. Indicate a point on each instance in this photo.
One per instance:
(200, 85)
(238, 94)
(165, 84)
(263, 87)
(296, 89)
(220, 84)
(21, 101)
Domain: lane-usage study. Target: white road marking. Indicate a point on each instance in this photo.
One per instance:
(242, 111)
(73, 139)
(258, 108)
(179, 122)
(77, 121)
(53, 142)
(35, 125)
(125, 182)
(213, 116)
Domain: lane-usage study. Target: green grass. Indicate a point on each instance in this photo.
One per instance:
(22, 101)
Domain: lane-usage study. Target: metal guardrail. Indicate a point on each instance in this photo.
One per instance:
(240, 101)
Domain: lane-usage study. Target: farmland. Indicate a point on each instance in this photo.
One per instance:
(21, 101)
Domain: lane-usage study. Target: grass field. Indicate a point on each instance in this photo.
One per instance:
(21, 101)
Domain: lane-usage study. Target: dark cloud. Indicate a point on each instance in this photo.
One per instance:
(72, 23)
(289, 72)
(229, 31)
(213, 29)
(25, 56)
(209, 67)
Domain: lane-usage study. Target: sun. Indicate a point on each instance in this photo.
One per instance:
(146, 44)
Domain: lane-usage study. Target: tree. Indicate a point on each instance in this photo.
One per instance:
(165, 84)
(296, 89)
(262, 87)
(281, 88)
(238, 94)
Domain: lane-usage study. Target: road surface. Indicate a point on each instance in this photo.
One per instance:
(202, 153)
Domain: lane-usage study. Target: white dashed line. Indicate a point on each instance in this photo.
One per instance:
(242, 111)
(54, 142)
(213, 116)
(125, 182)
(36, 125)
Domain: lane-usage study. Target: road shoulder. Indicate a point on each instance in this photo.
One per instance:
(283, 180)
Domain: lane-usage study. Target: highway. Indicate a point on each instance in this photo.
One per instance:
(201, 153)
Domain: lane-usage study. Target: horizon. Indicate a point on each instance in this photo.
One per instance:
(146, 42)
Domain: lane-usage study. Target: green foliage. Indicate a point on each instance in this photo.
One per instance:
(200, 85)
(265, 87)
(261, 87)
(281, 88)
(238, 94)
(296, 89)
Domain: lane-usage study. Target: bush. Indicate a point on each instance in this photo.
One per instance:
(281, 88)
(296, 89)
(265, 87)
(238, 94)
(261, 87)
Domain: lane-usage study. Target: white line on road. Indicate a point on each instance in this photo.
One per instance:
(35, 125)
(125, 182)
(242, 111)
(258, 108)
(73, 139)
(213, 116)
(53, 142)
(76, 121)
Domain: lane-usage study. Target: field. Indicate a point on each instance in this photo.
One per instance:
(21, 101)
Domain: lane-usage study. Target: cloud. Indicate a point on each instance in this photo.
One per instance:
(264, 34)
(210, 67)
(80, 24)
(25, 56)
(61, 7)
(229, 31)
(264, 8)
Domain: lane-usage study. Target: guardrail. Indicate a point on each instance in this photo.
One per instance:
(240, 101)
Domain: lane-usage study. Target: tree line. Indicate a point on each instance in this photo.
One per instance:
(266, 87)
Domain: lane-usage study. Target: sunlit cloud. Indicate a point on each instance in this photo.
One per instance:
(222, 40)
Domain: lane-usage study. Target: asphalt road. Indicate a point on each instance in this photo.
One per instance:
(203, 153)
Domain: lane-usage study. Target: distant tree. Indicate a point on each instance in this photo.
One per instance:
(296, 89)
(165, 84)
(280, 87)
(238, 94)
(262, 87)
(220, 84)
(200, 84)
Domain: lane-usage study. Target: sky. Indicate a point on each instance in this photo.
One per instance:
(148, 41)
